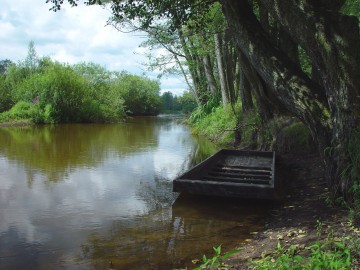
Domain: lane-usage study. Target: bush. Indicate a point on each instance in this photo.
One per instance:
(324, 254)
(62, 95)
(294, 137)
(218, 126)
(20, 111)
(5, 96)
(141, 95)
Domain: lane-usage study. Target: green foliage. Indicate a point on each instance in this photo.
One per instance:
(305, 61)
(217, 261)
(204, 110)
(250, 124)
(351, 7)
(353, 149)
(352, 172)
(5, 95)
(296, 137)
(4, 66)
(327, 254)
(60, 93)
(187, 102)
(32, 60)
(140, 94)
(20, 111)
(218, 125)
(169, 103)
(85, 92)
(149, 11)
(15, 75)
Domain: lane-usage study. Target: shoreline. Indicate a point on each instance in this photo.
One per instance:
(303, 218)
(16, 124)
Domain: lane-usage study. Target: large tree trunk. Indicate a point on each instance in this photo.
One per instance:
(332, 41)
(230, 59)
(209, 74)
(285, 79)
(332, 50)
(221, 69)
(245, 91)
(257, 87)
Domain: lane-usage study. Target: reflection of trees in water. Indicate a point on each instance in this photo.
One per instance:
(169, 238)
(52, 152)
(55, 150)
(204, 149)
(157, 195)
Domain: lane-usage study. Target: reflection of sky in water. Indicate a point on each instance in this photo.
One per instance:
(44, 223)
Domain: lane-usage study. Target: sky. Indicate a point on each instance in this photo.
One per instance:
(73, 35)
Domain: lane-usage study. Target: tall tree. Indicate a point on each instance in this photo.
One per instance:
(32, 59)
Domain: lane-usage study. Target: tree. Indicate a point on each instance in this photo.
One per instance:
(167, 99)
(329, 105)
(32, 59)
(5, 93)
(141, 95)
(187, 102)
(4, 66)
(295, 90)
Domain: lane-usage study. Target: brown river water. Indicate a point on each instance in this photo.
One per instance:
(79, 196)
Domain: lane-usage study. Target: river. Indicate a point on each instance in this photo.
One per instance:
(94, 196)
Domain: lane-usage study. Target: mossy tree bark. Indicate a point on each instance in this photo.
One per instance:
(332, 41)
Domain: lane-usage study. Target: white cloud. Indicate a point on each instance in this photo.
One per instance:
(72, 35)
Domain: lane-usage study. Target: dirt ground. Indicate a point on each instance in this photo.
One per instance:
(302, 211)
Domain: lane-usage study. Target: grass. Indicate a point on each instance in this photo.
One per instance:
(21, 111)
(218, 261)
(218, 125)
(328, 253)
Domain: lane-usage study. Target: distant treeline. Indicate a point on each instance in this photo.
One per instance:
(45, 91)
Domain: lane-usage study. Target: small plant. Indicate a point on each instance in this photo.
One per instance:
(319, 228)
(216, 262)
(331, 253)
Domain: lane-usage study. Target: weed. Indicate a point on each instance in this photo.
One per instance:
(331, 253)
(20, 111)
(218, 126)
(217, 261)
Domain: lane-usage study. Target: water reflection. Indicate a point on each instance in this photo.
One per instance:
(76, 196)
(54, 151)
(169, 238)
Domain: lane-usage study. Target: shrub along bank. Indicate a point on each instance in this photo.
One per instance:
(41, 90)
(229, 127)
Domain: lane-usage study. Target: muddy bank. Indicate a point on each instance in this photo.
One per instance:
(300, 215)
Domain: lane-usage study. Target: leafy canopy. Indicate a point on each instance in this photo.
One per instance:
(147, 12)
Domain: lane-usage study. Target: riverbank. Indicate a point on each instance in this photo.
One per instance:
(303, 219)
(16, 124)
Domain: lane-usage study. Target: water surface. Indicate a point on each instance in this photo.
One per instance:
(78, 196)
